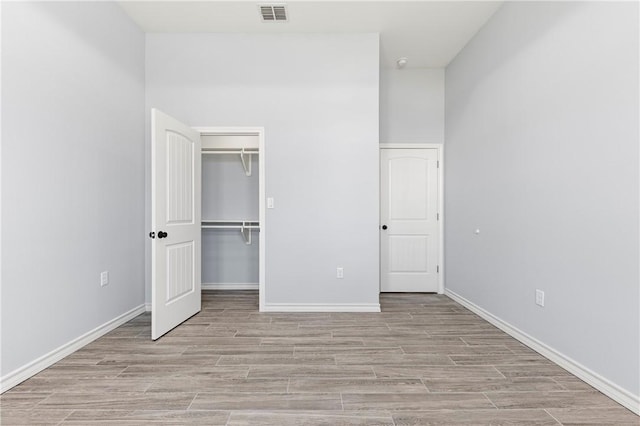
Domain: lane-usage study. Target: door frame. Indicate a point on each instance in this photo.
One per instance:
(259, 131)
(440, 151)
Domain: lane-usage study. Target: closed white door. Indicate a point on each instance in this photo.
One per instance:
(175, 221)
(409, 231)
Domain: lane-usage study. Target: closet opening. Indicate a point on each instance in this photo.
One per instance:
(233, 210)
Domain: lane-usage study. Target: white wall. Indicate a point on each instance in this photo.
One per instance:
(411, 105)
(317, 97)
(72, 173)
(542, 156)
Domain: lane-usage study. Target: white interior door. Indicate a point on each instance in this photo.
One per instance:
(175, 221)
(409, 232)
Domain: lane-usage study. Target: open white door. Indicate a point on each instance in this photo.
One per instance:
(175, 222)
(409, 236)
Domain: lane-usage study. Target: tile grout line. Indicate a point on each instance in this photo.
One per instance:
(498, 371)
(545, 410)
(192, 400)
(65, 417)
(489, 399)
(425, 385)
(393, 421)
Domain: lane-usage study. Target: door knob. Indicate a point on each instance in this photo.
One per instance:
(162, 234)
(152, 234)
(384, 226)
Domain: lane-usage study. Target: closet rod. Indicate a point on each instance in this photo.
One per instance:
(227, 151)
(230, 222)
(230, 227)
(245, 227)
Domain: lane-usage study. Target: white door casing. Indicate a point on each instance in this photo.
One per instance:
(259, 132)
(175, 210)
(409, 210)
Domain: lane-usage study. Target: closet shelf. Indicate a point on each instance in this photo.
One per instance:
(245, 155)
(231, 224)
(245, 227)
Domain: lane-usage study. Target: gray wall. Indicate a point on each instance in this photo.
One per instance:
(411, 105)
(542, 157)
(227, 259)
(317, 97)
(72, 173)
(229, 194)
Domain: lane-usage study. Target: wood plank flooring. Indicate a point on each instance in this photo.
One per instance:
(424, 360)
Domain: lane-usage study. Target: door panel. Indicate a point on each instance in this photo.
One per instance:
(406, 253)
(407, 186)
(176, 257)
(409, 210)
(180, 185)
(180, 274)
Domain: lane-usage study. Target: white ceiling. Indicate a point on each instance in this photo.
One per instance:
(429, 33)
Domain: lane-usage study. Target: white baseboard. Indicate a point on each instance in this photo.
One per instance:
(229, 286)
(23, 373)
(320, 307)
(607, 387)
(147, 307)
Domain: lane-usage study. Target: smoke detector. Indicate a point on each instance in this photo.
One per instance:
(273, 12)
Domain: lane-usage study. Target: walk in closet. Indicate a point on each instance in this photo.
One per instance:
(230, 211)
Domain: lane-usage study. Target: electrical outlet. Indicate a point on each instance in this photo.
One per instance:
(539, 297)
(340, 273)
(104, 278)
(270, 203)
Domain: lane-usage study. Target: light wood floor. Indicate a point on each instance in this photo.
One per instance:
(424, 360)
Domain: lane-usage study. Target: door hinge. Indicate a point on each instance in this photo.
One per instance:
(437, 269)
(437, 216)
(438, 164)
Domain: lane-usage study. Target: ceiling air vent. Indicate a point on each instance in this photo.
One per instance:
(273, 12)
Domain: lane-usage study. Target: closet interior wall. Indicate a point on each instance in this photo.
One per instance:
(230, 202)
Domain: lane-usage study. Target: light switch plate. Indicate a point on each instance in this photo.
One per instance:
(104, 278)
